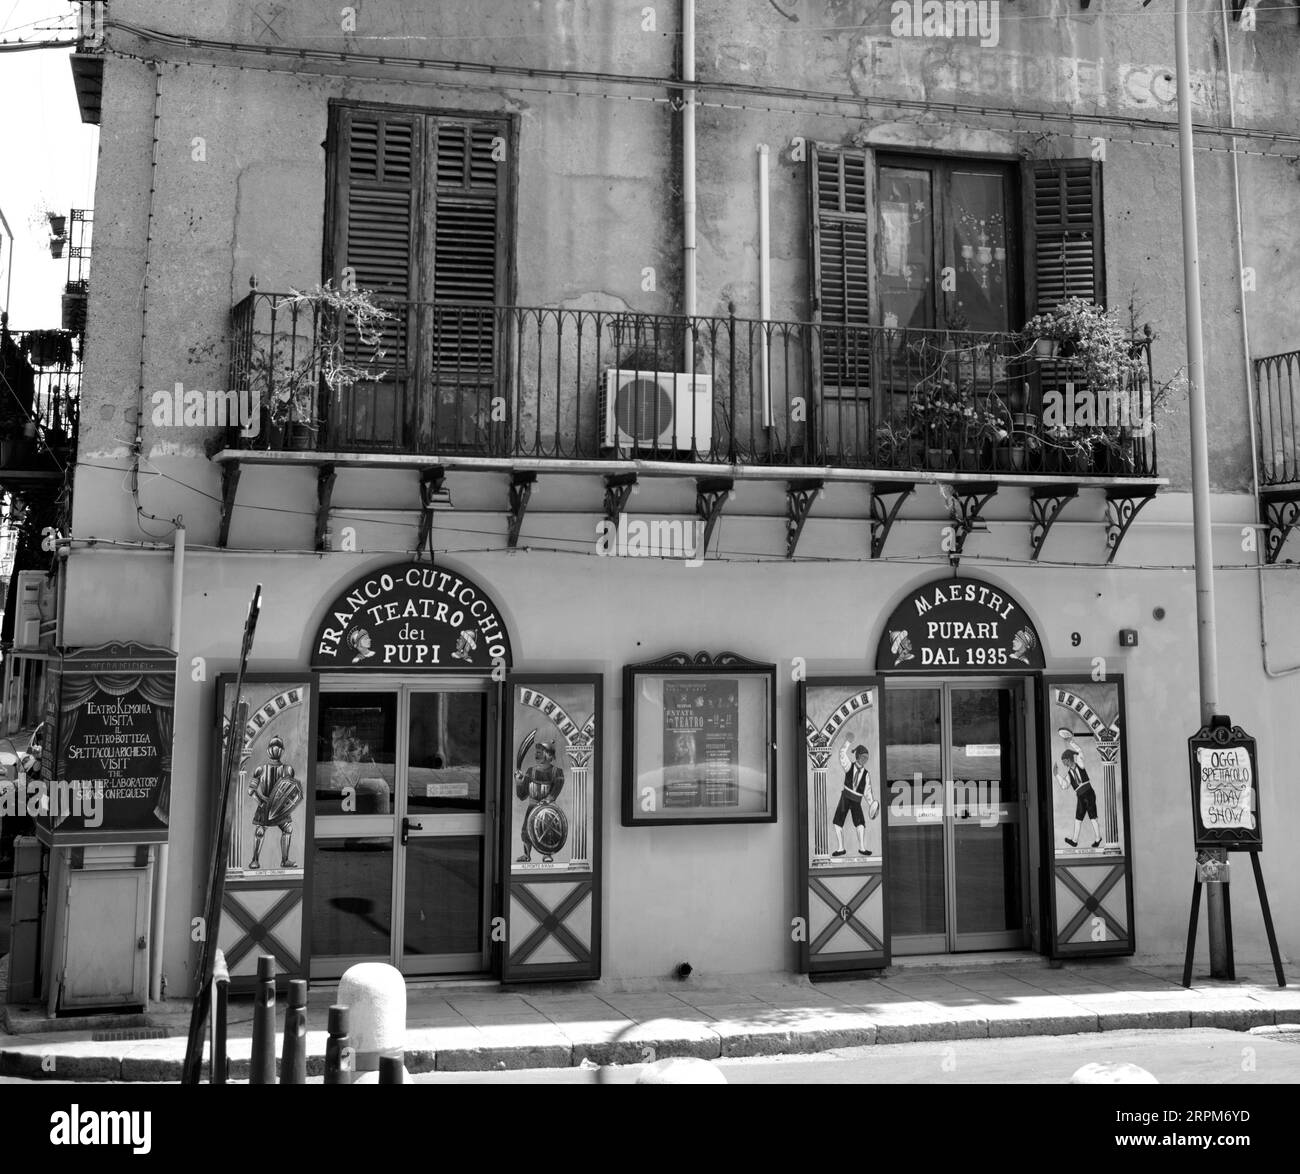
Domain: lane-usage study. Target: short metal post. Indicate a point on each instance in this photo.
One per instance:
(390, 1068)
(219, 1065)
(339, 1058)
(262, 1068)
(293, 1059)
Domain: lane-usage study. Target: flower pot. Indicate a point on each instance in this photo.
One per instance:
(301, 437)
(1046, 348)
(937, 458)
(1019, 456)
(58, 224)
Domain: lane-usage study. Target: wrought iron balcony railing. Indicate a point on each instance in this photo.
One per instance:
(559, 384)
(1277, 390)
(40, 389)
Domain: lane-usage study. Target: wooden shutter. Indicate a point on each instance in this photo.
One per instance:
(840, 211)
(374, 231)
(1065, 233)
(467, 274)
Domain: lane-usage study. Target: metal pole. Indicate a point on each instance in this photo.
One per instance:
(293, 1055)
(1220, 967)
(262, 1070)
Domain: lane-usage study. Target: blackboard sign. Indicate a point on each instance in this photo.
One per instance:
(412, 616)
(959, 625)
(109, 737)
(1225, 787)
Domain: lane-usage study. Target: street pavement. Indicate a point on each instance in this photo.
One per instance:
(1196, 1055)
(483, 1027)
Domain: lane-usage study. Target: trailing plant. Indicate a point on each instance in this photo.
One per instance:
(334, 338)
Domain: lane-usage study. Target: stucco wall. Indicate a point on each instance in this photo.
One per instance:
(723, 897)
(597, 205)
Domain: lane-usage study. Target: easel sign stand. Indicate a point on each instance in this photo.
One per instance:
(1226, 817)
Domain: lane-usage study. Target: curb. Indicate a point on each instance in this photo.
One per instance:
(45, 1061)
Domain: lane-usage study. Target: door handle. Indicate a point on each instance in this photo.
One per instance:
(409, 826)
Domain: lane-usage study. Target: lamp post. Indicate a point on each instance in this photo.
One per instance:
(1207, 655)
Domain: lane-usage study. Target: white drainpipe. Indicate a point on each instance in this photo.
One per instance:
(688, 176)
(160, 867)
(764, 280)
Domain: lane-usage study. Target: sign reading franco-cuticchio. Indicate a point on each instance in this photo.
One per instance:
(412, 615)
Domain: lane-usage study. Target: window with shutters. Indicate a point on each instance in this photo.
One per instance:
(419, 214)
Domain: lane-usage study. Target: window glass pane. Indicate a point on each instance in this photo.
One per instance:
(906, 249)
(352, 896)
(356, 752)
(446, 752)
(442, 895)
(979, 251)
(916, 852)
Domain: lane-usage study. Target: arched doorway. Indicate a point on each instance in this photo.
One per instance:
(410, 660)
(957, 655)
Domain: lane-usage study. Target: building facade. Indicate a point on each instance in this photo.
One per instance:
(698, 452)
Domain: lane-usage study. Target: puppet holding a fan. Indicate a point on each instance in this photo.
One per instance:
(1070, 774)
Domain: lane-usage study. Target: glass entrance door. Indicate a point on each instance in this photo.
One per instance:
(401, 833)
(956, 792)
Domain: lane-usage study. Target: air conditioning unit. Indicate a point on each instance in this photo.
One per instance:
(657, 410)
(33, 600)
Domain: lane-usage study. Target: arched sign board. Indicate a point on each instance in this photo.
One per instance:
(412, 616)
(959, 625)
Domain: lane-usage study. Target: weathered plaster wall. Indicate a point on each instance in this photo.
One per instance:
(723, 898)
(595, 207)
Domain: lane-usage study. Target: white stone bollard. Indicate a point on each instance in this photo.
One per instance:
(375, 994)
(1112, 1074)
(681, 1070)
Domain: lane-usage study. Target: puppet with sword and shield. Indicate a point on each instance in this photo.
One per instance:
(545, 826)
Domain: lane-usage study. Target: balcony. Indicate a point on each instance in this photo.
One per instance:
(525, 391)
(552, 385)
(41, 375)
(1277, 397)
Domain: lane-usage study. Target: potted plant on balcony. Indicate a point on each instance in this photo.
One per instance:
(333, 337)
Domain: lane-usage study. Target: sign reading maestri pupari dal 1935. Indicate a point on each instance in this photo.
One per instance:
(412, 615)
(961, 625)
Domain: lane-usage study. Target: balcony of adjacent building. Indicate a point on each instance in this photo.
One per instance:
(1277, 422)
(40, 386)
(526, 391)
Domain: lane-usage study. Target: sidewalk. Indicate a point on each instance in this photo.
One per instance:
(483, 1027)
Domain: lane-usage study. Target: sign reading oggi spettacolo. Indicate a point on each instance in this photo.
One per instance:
(412, 616)
(1225, 788)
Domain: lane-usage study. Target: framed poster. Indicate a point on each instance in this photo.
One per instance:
(262, 910)
(1225, 788)
(842, 826)
(107, 753)
(1086, 822)
(699, 740)
(552, 829)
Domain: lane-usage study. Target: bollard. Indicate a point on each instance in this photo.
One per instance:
(338, 1048)
(293, 1061)
(1112, 1074)
(681, 1070)
(392, 1069)
(219, 1063)
(375, 995)
(262, 1067)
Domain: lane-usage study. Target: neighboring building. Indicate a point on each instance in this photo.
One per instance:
(6, 263)
(848, 415)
